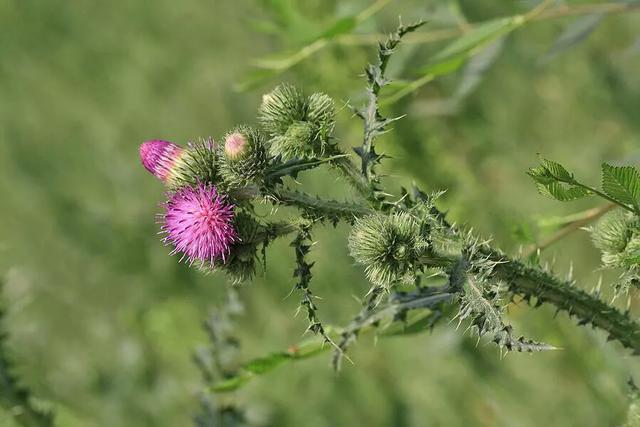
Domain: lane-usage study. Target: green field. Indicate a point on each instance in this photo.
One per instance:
(104, 322)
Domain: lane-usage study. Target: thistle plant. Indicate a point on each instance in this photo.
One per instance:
(421, 267)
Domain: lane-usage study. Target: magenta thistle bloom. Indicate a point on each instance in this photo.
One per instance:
(199, 223)
(159, 157)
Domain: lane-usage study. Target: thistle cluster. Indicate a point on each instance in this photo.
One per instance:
(210, 219)
(211, 188)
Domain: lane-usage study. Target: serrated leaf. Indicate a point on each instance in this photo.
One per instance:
(556, 170)
(563, 193)
(622, 183)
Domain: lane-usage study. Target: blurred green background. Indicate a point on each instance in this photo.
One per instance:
(104, 322)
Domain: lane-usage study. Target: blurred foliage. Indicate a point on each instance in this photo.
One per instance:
(103, 321)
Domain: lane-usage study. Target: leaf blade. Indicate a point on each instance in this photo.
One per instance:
(622, 183)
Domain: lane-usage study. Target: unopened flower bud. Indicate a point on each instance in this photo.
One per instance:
(179, 166)
(389, 246)
(280, 108)
(236, 146)
(159, 157)
(244, 158)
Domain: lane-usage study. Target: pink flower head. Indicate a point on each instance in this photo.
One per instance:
(235, 145)
(199, 223)
(159, 157)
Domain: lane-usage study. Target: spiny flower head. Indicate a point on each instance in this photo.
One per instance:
(617, 235)
(389, 246)
(179, 166)
(300, 127)
(159, 157)
(198, 222)
(280, 108)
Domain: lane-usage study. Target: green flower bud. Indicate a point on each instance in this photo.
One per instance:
(611, 235)
(197, 163)
(298, 142)
(244, 157)
(389, 246)
(631, 255)
(322, 113)
(280, 108)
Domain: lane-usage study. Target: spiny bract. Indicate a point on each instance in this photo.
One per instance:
(389, 246)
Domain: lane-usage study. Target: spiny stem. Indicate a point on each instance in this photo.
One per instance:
(546, 288)
(301, 245)
(321, 208)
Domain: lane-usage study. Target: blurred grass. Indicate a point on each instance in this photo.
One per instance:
(104, 321)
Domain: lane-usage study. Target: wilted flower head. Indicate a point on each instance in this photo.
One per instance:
(199, 223)
(159, 157)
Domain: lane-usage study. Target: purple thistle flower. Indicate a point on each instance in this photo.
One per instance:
(159, 157)
(199, 223)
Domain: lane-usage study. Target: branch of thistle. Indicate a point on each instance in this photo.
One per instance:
(399, 303)
(375, 123)
(301, 245)
(533, 283)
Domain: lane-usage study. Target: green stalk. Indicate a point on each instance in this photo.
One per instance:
(588, 309)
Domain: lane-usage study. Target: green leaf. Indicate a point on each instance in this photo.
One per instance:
(622, 183)
(232, 383)
(342, 26)
(263, 365)
(556, 182)
(266, 364)
(556, 170)
(574, 34)
(479, 36)
(563, 193)
(454, 56)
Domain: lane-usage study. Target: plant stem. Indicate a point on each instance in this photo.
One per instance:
(590, 216)
(603, 195)
(323, 207)
(546, 288)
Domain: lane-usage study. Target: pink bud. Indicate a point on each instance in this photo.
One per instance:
(159, 157)
(235, 145)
